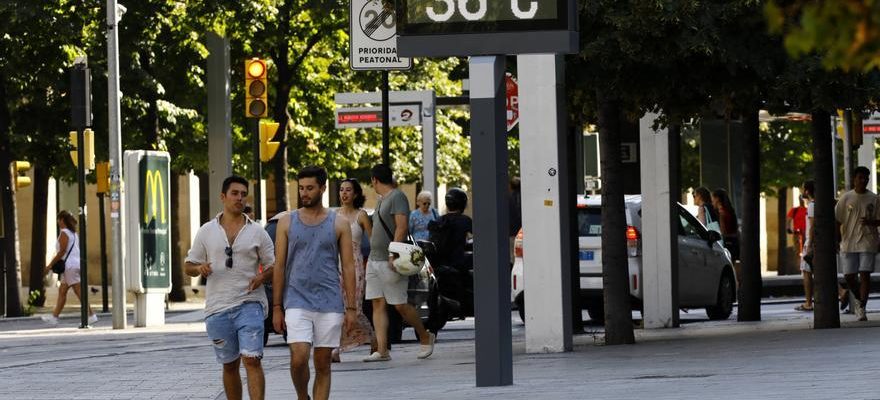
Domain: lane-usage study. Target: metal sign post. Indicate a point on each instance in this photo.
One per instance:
(81, 118)
(487, 30)
(407, 108)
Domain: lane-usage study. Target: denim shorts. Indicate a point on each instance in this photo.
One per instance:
(858, 262)
(237, 332)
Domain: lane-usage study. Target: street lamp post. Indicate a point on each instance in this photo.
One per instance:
(114, 14)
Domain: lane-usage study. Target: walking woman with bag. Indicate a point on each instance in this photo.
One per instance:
(67, 260)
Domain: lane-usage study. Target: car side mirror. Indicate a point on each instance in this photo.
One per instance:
(714, 237)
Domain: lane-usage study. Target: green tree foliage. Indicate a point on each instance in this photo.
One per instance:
(846, 33)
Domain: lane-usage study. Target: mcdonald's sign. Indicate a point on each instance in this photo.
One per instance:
(154, 206)
(148, 208)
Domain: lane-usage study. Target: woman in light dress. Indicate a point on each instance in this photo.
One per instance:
(67, 249)
(351, 196)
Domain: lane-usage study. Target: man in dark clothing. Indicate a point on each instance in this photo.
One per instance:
(449, 232)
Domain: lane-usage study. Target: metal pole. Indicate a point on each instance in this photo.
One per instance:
(847, 150)
(83, 256)
(103, 233)
(386, 127)
(117, 223)
(258, 171)
(493, 343)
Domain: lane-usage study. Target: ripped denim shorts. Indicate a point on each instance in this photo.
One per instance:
(237, 332)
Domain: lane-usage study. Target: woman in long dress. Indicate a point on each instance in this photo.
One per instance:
(351, 196)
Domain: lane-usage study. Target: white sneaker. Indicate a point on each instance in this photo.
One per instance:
(377, 356)
(50, 319)
(93, 319)
(427, 349)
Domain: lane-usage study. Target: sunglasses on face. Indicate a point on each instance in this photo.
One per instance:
(228, 252)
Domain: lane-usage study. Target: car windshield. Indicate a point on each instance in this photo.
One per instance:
(590, 221)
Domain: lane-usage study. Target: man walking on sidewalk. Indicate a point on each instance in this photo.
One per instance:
(384, 284)
(856, 214)
(228, 251)
(309, 243)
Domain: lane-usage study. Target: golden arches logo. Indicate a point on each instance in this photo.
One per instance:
(152, 183)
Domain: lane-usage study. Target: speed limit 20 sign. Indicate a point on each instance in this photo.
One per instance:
(373, 36)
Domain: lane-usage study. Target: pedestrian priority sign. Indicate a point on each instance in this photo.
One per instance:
(373, 36)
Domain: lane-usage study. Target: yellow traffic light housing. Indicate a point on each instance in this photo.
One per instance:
(89, 137)
(256, 104)
(20, 169)
(268, 148)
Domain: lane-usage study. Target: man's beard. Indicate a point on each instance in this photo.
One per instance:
(312, 202)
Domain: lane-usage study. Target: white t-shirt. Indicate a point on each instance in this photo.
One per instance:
(227, 287)
(857, 237)
(72, 240)
(810, 216)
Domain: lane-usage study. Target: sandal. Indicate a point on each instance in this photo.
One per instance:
(801, 307)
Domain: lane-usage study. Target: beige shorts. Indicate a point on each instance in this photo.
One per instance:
(70, 276)
(382, 281)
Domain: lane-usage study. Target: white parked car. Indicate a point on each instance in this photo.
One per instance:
(706, 276)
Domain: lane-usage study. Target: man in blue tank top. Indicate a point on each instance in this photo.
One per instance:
(306, 284)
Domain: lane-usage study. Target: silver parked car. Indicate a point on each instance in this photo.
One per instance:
(706, 276)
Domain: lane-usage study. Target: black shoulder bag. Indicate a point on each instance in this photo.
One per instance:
(58, 266)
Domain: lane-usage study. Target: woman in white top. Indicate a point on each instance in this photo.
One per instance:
(351, 196)
(67, 249)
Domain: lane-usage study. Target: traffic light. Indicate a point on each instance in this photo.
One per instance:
(89, 137)
(20, 169)
(256, 104)
(267, 146)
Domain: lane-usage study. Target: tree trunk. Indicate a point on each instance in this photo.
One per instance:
(825, 312)
(177, 277)
(750, 251)
(781, 233)
(279, 112)
(618, 311)
(9, 264)
(38, 238)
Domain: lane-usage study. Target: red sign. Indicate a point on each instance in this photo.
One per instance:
(358, 117)
(512, 101)
(871, 129)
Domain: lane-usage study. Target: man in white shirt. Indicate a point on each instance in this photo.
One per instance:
(229, 251)
(856, 214)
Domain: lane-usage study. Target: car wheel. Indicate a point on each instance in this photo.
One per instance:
(521, 307)
(726, 297)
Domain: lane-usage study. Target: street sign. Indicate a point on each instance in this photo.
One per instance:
(371, 117)
(871, 127)
(512, 101)
(373, 37)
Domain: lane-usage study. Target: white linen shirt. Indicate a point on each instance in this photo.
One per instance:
(227, 287)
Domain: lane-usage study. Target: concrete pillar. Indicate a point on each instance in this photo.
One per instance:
(542, 135)
(659, 227)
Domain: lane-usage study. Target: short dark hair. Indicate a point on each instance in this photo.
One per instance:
(359, 198)
(313, 171)
(382, 173)
(862, 170)
(810, 187)
(233, 179)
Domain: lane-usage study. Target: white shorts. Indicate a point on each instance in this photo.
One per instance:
(315, 328)
(70, 276)
(858, 262)
(383, 282)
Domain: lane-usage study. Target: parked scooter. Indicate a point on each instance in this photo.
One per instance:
(452, 297)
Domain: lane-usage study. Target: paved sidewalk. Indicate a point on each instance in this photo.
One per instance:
(778, 358)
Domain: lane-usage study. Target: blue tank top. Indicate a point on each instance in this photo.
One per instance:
(312, 266)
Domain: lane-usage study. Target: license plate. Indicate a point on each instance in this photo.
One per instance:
(586, 255)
